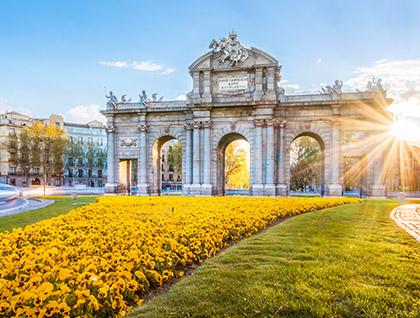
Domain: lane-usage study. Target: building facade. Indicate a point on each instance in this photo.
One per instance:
(93, 141)
(85, 161)
(236, 95)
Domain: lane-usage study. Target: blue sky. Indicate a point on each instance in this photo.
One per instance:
(51, 50)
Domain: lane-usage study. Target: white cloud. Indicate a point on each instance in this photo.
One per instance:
(290, 88)
(147, 66)
(401, 79)
(83, 114)
(181, 97)
(6, 107)
(318, 60)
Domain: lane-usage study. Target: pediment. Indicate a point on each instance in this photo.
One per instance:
(211, 60)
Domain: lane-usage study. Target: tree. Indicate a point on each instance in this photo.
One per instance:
(175, 156)
(305, 164)
(39, 146)
(236, 166)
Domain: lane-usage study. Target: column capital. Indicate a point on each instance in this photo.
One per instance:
(196, 124)
(335, 121)
(280, 123)
(188, 126)
(143, 128)
(270, 122)
(207, 124)
(111, 130)
(259, 122)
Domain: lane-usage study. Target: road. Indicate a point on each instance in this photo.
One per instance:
(8, 206)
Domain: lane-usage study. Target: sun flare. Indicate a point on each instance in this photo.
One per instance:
(406, 130)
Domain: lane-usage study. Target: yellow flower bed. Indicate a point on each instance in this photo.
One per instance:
(100, 259)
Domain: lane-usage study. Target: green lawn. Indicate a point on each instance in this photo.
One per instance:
(60, 206)
(348, 261)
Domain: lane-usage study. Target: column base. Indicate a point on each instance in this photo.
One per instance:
(257, 189)
(186, 189)
(377, 190)
(111, 188)
(143, 189)
(195, 189)
(281, 190)
(269, 189)
(206, 189)
(334, 190)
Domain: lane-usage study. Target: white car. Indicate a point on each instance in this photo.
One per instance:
(8, 192)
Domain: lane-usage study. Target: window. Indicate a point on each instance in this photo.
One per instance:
(36, 170)
(70, 161)
(90, 173)
(80, 173)
(12, 170)
(80, 161)
(90, 140)
(99, 173)
(70, 173)
(171, 177)
(100, 141)
(99, 162)
(80, 140)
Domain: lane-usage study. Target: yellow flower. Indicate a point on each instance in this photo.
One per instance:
(118, 248)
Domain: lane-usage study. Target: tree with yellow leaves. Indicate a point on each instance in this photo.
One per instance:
(41, 146)
(237, 166)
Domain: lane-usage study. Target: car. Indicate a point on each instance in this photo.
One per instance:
(8, 192)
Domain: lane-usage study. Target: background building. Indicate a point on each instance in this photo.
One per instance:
(84, 159)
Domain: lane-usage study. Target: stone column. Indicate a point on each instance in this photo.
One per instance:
(258, 187)
(143, 185)
(112, 180)
(195, 187)
(258, 84)
(206, 98)
(196, 85)
(377, 189)
(281, 188)
(269, 186)
(188, 160)
(206, 187)
(335, 188)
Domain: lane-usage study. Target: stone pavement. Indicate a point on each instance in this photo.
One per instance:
(408, 217)
(30, 204)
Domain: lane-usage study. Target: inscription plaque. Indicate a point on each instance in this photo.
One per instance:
(233, 83)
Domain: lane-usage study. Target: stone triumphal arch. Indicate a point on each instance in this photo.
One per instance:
(236, 95)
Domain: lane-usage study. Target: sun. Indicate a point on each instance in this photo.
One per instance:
(406, 130)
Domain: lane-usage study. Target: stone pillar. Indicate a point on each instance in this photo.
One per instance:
(196, 85)
(206, 98)
(111, 185)
(195, 187)
(258, 84)
(281, 188)
(188, 160)
(258, 187)
(269, 186)
(206, 187)
(143, 185)
(335, 188)
(377, 189)
(271, 93)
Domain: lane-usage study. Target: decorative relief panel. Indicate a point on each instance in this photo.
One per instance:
(128, 142)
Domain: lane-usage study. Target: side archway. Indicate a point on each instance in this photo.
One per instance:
(221, 168)
(166, 165)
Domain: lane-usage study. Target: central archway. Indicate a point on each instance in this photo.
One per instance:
(167, 166)
(307, 171)
(233, 164)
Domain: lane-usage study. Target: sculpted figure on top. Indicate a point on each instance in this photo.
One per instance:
(230, 50)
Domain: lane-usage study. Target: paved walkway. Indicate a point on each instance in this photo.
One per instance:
(408, 217)
(28, 205)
